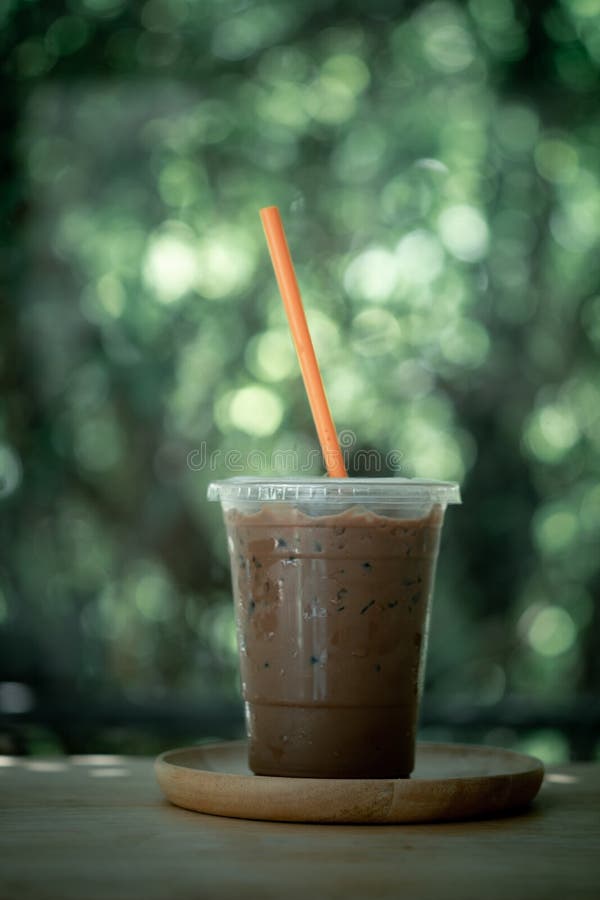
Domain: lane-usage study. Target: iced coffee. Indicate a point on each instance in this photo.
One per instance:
(332, 593)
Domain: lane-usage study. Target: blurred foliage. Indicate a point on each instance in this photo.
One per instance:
(438, 169)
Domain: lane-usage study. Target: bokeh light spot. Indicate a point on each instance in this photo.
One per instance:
(250, 30)
(428, 446)
(372, 275)
(98, 443)
(550, 746)
(153, 593)
(496, 15)
(375, 332)
(223, 632)
(286, 104)
(556, 160)
(583, 9)
(255, 410)
(104, 8)
(361, 153)
(348, 70)
(180, 183)
(448, 47)
(171, 263)
(517, 128)
(66, 35)
(164, 16)
(31, 58)
(284, 63)
(111, 294)
(464, 232)
(330, 101)
(555, 528)
(16, 697)
(270, 356)
(225, 263)
(211, 122)
(346, 388)
(465, 343)
(552, 631)
(10, 471)
(420, 257)
(551, 432)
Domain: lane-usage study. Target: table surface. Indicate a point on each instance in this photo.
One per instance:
(97, 827)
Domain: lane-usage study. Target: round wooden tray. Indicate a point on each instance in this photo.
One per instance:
(450, 782)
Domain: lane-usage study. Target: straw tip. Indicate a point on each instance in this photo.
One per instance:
(267, 210)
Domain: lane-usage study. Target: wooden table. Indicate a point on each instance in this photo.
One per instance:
(97, 827)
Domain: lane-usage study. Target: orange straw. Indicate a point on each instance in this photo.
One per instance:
(292, 301)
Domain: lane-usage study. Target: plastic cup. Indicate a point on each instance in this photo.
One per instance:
(332, 582)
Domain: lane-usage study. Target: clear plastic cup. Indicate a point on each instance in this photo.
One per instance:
(332, 581)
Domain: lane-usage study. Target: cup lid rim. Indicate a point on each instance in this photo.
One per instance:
(279, 489)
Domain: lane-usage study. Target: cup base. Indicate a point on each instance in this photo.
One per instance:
(331, 742)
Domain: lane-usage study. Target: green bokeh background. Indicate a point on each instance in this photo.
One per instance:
(437, 166)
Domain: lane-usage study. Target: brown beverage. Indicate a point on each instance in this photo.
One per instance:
(332, 615)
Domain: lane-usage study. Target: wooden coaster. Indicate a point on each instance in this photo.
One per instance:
(450, 782)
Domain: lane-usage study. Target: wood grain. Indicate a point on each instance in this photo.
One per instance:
(450, 782)
(100, 830)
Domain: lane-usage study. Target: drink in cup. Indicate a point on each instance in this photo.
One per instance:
(332, 581)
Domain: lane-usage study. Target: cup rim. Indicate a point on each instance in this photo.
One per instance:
(388, 491)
